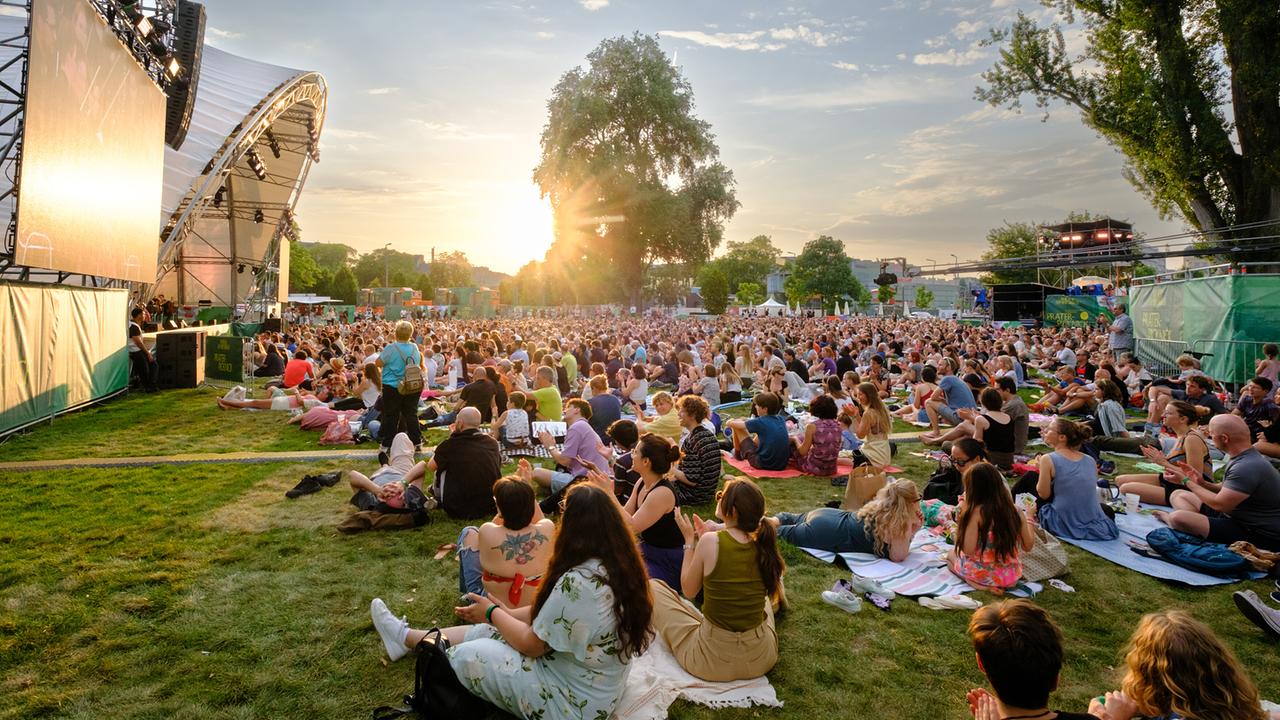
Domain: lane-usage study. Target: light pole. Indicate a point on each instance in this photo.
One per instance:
(934, 265)
(953, 267)
(386, 266)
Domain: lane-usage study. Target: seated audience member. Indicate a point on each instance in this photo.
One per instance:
(650, 511)
(665, 421)
(992, 427)
(635, 391)
(396, 484)
(466, 464)
(1019, 649)
(1180, 418)
(299, 372)
(730, 383)
(1268, 441)
(1256, 406)
(698, 474)
(762, 439)
(1016, 408)
(1068, 486)
(478, 394)
(507, 556)
(990, 532)
(815, 452)
(606, 409)
(566, 656)
(366, 394)
(709, 385)
(738, 570)
(580, 452)
(1110, 419)
(546, 393)
(1176, 667)
(512, 428)
(952, 395)
(624, 435)
(873, 427)
(272, 362)
(1199, 392)
(1057, 397)
(883, 527)
(1245, 506)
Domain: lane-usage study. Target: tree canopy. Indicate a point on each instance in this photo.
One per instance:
(714, 288)
(1185, 89)
(1013, 240)
(822, 269)
(750, 261)
(383, 264)
(633, 176)
(924, 298)
(450, 269)
(750, 293)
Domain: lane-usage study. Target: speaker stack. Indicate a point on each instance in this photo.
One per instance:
(180, 356)
(273, 325)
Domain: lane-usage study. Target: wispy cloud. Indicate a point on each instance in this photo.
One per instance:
(594, 5)
(763, 162)
(966, 28)
(383, 91)
(853, 67)
(223, 34)
(454, 131)
(544, 35)
(956, 58)
(341, 134)
(761, 40)
(869, 92)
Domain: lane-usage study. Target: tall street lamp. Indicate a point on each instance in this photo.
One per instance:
(386, 266)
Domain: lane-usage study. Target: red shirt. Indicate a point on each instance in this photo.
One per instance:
(295, 372)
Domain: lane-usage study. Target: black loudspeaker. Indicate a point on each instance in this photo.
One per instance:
(170, 325)
(180, 357)
(188, 46)
(273, 325)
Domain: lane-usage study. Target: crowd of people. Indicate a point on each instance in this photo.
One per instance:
(556, 610)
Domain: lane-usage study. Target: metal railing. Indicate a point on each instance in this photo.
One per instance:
(1250, 268)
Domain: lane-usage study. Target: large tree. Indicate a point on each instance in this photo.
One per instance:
(823, 269)
(1186, 89)
(750, 293)
(302, 268)
(344, 286)
(714, 288)
(633, 176)
(750, 261)
(1013, 240)
(451, 269)
(924, 298)
(332, 255)
(382, 264)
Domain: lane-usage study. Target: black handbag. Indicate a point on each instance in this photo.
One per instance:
(437, 691)
(945, 484)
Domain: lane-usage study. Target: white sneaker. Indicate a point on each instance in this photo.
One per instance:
(842, 597)
(867, 585)
(393, 630)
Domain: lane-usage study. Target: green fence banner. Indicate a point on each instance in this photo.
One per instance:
(1075, 311)
(225, 357)
(1225, 319)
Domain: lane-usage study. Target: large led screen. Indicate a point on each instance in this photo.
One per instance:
(92, 150)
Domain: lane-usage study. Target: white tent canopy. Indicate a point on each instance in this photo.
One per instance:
(770, 304)
(311, 299)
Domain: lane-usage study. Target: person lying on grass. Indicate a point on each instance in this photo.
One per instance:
(507, 556)
(566, 656)
(738, 570)
(883, 527)
(397, 483)
(287, 400)
(1019, 648)
(1177, 668)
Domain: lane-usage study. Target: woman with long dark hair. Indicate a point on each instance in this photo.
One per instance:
(565, 656)
(737, 567)
(990, 532)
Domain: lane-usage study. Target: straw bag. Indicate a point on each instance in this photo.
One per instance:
(1046, 559)
(864, 482)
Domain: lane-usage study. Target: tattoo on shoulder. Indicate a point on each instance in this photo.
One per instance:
(521, 547)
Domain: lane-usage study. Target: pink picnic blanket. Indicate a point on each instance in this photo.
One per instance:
(843, 466)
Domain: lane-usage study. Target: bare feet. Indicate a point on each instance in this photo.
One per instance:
(1161, 515)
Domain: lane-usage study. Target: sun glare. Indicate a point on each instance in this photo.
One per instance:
(525, 230)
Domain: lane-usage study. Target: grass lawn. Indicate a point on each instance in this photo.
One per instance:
(201, 592)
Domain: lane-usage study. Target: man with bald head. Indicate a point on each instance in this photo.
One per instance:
(466, 464)
(1246, 506)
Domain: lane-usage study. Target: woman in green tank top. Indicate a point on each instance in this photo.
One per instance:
(738, 569)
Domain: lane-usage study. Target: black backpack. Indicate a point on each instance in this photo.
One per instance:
(437, 692)
(945, 485)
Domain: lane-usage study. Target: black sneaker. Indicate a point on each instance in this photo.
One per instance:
(329, 479)
(383, 458)
(305, 486)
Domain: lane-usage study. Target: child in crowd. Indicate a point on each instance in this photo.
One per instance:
(1269, 366)
(990, 532)
(1019, 649)
(512, 427)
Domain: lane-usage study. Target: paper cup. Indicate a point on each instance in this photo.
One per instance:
(1131, 502)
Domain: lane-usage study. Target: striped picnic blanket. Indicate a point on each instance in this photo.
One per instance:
(923, 572)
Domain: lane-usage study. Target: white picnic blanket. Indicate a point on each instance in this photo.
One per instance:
(655, 680)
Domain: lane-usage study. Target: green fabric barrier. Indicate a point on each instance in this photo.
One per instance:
(1229, 317)
(214, 314)
(248, 330)
(1075, 311)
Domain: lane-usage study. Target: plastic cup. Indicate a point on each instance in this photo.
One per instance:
(1131, 503)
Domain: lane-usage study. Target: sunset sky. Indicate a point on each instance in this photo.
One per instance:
(853, 119)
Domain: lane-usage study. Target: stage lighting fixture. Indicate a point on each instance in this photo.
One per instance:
(240, 269)
(256, 165)
(144, 26)
(172, 68)
(218, 196)
(272, 143)
(208, 168)
(258, 217)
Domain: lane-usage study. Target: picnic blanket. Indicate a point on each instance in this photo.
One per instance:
(1135, 528)
(655, 680)
(843, 466)
(923, 572)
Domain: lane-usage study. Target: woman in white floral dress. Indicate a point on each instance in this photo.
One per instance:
(564, 658)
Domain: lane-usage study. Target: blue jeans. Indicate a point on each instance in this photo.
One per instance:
(445, 419)
(470, 576)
